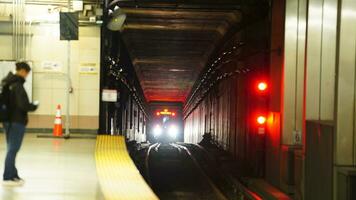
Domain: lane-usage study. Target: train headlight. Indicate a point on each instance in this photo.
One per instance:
(157, 131)
(173, 131)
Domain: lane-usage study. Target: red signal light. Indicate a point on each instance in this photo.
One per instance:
(262, 86)
(261, 120)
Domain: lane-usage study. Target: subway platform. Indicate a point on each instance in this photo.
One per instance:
(86, 168)
(54, 169)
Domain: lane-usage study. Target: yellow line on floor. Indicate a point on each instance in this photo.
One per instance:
(118, 175)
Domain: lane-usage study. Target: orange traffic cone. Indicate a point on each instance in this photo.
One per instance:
(58, 130)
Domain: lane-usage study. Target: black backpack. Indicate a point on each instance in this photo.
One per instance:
(4, 102)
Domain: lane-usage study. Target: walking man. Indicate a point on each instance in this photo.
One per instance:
(18, 106)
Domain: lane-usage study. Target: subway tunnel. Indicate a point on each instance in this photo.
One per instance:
(185, 99)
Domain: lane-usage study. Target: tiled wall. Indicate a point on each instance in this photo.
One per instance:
(49, 87)
(77, 122)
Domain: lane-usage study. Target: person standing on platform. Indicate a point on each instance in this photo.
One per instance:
(18, 105)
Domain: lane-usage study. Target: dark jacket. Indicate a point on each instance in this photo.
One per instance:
(19, 104)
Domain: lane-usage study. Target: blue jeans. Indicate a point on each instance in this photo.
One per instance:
(14, 135)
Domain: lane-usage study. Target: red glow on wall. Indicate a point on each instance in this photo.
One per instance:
(273, 128)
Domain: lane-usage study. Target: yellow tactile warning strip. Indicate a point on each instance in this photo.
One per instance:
(118, 175)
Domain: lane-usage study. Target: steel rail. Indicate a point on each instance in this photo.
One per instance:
(147, 162)
(242, 188)
(217, 191)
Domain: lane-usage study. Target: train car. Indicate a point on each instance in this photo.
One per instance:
(166, 124)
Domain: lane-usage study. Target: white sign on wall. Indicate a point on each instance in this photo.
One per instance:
(297, 137)
(51, 66)
(77, 5)
(88, 68)
(109, 95)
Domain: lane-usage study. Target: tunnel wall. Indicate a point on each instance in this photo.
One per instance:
(124, 117)
(312, 77)
(225, 113)
(228, 110)
(213, 115)
(128, 115)
(133, 123)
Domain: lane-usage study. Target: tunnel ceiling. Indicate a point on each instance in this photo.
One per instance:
(170, 47)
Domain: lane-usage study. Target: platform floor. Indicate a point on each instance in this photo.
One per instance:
(118, 175)
(54, 169)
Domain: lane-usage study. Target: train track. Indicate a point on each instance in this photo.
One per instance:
(217, 191)
(147, 161)
(174, 173)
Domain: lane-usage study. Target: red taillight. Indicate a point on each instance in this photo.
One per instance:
(262, 86)
(261, 120)
(158, 114)
(173, 114)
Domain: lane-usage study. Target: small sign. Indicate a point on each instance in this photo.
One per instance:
(297, 137)
(261, 130)
(88, 68)
(109, 95)
(92, 19)
(77, 5)
(51, 66)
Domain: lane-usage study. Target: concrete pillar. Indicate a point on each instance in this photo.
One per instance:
(345, 103)
(293, 72)
(320, 60)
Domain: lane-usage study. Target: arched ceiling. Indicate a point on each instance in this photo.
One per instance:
(170, 46)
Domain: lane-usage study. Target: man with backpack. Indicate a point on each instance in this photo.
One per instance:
(14, 106)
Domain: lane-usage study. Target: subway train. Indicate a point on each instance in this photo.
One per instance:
(166, 126)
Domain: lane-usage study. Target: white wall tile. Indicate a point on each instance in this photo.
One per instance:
(45, 98)
(89, 101)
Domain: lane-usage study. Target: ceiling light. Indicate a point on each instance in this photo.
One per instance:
(178, 70)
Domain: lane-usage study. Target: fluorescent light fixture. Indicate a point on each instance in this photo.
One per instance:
(178, 70)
